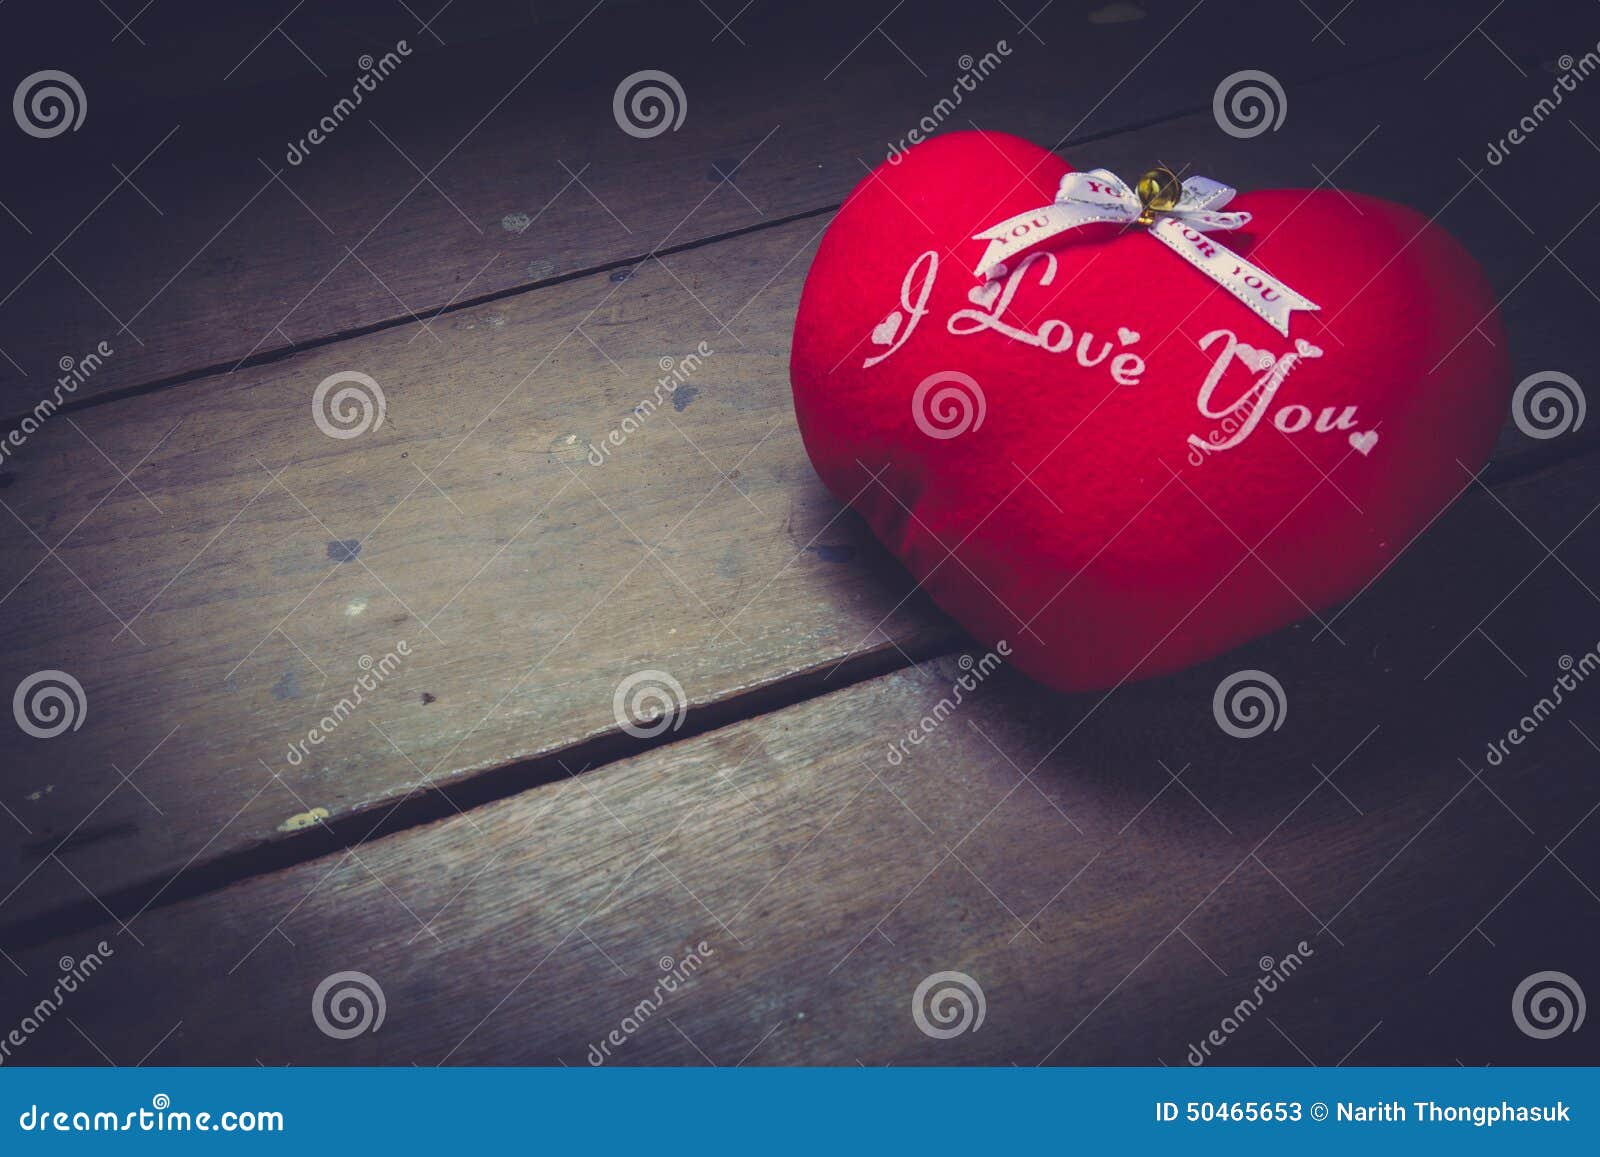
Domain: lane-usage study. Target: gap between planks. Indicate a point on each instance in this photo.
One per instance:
(425, 804)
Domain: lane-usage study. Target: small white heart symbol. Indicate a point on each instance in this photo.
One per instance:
(1256, 359)
(1127, 336)
(984, 295)
(884, 332)
(1306, 349)
(1364, 442)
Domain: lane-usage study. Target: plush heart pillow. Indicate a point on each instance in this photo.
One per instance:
(1105, 459)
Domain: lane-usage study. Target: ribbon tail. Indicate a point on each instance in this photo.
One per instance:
(1266, 296)
(1028, 231)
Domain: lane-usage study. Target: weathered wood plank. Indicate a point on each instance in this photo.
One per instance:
(544, 581)
(470, 172)
(1111, 871)
(230, 590)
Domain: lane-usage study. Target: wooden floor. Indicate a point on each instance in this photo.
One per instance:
(480, 837)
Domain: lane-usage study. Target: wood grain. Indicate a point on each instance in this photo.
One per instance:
(481, 168)
(1111, 870)
(528, 582)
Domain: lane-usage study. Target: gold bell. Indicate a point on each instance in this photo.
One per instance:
(1158, 190)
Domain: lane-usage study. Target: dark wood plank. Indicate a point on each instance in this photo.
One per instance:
(481, 168)
(1036, 842)
(542, 590)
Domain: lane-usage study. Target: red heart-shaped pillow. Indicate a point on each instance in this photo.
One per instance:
(1105, 459)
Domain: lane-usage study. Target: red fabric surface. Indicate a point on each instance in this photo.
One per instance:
(1072, 522)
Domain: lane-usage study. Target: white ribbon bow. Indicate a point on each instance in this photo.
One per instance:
(1101, 196)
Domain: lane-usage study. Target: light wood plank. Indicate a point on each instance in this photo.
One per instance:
(221, 613)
